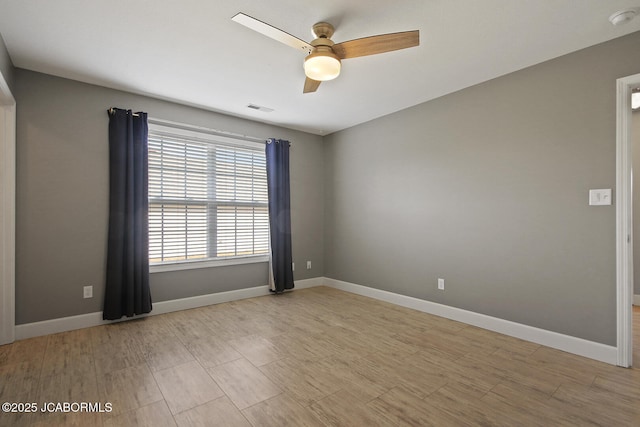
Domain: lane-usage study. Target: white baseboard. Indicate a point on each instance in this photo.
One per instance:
(53, 326)
(579, 346)
(590, 349)
(636, 300)
(309, 283)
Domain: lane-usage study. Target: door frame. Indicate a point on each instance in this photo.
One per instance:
(624, 220)
(7, 212)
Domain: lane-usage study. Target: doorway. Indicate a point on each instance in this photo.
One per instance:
(635, 176)
(7, 212)
(624, 219)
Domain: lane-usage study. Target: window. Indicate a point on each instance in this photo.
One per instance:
(207, 197)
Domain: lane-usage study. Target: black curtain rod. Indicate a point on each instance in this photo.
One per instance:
(112, 111)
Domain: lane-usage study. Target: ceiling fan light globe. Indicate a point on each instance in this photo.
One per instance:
(322, 66)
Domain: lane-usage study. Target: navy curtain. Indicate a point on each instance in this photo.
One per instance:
(127, 288)
(277, 153)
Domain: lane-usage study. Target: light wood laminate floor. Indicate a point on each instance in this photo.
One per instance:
(312, 357)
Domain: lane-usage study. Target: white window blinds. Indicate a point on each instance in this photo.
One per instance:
(207, 198)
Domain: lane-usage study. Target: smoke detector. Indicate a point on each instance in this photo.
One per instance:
(621, 17)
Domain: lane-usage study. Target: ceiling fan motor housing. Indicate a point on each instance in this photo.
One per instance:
(322, 64)
(322, 30)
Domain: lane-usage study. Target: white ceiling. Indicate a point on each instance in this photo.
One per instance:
(191, 52)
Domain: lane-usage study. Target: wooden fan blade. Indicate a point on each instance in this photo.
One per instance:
(310, 85)
(377, 44)
(273, 32)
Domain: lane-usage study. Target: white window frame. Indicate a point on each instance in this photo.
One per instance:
(203, 135)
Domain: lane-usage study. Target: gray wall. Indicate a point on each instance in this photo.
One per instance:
(6, 66)
(488, 189)
(62, 197)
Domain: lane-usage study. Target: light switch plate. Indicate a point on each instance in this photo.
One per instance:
(600, 197)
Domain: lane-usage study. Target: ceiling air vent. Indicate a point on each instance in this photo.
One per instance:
(260, 108)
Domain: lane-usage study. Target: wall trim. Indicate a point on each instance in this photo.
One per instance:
(63, 324)
(636, 300)
(624, 220)
(593, 350)
(7, 212)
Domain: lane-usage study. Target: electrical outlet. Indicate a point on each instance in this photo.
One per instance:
(308, 265)
(87, 292)
(293, 266)
(441, 284)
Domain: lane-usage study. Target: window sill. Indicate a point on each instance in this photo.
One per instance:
(191, 265)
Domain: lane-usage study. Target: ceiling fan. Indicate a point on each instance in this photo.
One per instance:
(323, 55)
